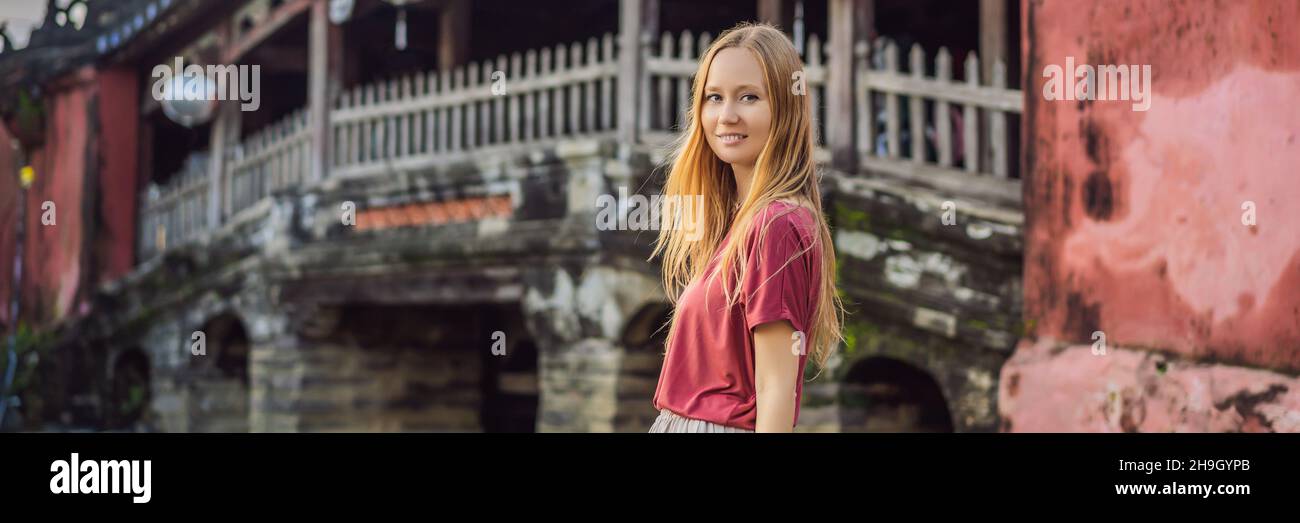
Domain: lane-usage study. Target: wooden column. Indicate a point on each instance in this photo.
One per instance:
(993, 48)
(864, 21)
(650, 20)
(773, 12)
(839, 86)
(993, 35)
(453, 34)
(217, 141)
(635, 18)
(324, 70)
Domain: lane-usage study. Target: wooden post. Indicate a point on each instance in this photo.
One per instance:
(864, 36)
(324, 75)
(631, 64)
(224, 132)
(993, 36)
(993, 49)
(773, 12)
(453, 34)
(839, 86)
(864, 21)
(217, 144)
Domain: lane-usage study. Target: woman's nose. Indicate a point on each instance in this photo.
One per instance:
(729, 115)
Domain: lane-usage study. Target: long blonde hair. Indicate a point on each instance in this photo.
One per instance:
(785, 170)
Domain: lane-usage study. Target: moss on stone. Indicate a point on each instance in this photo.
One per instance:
(846, 217)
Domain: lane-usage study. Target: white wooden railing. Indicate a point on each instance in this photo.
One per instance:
(425, 119)
(942, 113)
(176, 212)
(566, 92)
(274, 158)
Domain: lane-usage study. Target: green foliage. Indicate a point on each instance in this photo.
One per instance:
(29, 347)
(850, 218)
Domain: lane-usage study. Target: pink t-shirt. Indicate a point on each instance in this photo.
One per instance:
(708, 373)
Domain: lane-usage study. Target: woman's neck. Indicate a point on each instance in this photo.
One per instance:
(744, 175)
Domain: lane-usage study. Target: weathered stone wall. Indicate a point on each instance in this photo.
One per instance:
(392, 369)
(942, 296)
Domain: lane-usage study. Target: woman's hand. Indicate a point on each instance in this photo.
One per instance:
(776, 362)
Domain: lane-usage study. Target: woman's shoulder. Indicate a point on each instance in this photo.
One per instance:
(787, 213)
(788, 219)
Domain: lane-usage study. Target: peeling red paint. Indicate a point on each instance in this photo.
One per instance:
(1135, 222)
(53, 255)
(1073, 390)
(8, 220)
(1134, 219)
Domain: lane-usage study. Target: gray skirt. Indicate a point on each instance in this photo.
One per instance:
(669, 421)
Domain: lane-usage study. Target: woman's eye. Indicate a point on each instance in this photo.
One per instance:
(749, 98)
(714, 98)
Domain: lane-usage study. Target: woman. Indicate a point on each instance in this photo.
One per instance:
(753, 290)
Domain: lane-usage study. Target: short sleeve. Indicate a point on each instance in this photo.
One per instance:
(778, 272)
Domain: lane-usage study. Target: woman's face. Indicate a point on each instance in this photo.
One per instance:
(736, 114)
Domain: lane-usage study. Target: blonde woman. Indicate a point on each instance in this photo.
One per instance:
(753, 292)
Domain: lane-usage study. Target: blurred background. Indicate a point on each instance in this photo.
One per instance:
(382, 215)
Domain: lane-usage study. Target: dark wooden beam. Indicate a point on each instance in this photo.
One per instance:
(258, 34)
(279, 59)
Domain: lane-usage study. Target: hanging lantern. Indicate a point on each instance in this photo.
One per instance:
(399, 33)
(189, 99)
(340, 10)
(26, 175)
(187, 95)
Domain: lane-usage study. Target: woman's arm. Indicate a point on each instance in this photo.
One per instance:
(776, 365)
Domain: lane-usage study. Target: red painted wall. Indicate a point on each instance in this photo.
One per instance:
(52, 267)
(119, 121)
(87, 169)
(1135, 222)
(8, 219)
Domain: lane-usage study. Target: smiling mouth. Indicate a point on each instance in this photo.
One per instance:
(731, 138)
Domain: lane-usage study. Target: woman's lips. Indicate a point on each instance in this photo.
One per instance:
(732, 138)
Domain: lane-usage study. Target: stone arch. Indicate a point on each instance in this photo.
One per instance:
(218, 384)
(883, 394)
(130, 390)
